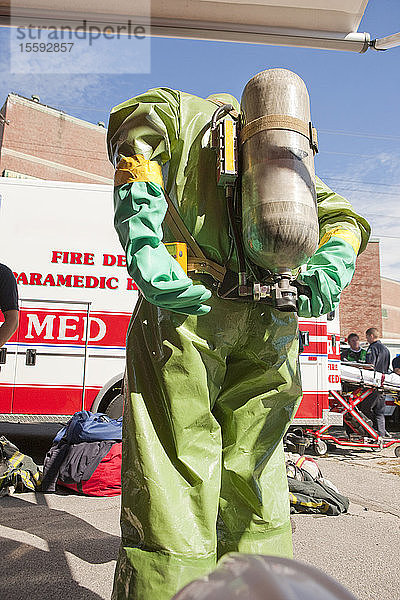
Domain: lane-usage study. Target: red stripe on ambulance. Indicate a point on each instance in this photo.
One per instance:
(64, 327)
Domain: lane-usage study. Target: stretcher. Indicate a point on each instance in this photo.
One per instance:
(358, 382)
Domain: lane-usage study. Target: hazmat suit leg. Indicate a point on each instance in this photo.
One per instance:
(171, 468)
(194, 385)
(259, 395)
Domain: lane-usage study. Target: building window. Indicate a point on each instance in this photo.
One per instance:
(16, 175)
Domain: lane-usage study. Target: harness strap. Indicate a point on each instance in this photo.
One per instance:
(197, 261)
(280, 122)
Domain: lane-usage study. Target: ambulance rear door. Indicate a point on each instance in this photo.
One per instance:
(313, 367)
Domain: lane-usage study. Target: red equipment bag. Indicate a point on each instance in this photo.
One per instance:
(106, 478)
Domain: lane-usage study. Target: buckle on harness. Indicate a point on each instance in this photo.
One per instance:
(277, 291)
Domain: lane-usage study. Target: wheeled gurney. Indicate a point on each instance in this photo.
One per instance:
(358, 382)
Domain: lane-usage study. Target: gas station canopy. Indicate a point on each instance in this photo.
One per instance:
(326, 24)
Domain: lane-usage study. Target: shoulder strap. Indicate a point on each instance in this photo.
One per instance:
(234, 113)
(197, 261)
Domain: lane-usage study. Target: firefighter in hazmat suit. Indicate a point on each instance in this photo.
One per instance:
(211, 384)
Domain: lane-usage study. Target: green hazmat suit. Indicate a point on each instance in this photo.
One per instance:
(209, 396)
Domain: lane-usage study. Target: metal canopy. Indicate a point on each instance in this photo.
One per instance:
(327, 24)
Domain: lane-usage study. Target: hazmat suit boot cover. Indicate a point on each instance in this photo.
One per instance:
(207, 398)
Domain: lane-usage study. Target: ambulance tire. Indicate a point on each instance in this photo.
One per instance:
(397, 451)
(108, 398)
(114, 408)
(320, 447)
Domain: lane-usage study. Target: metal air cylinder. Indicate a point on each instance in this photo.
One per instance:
(279, 207)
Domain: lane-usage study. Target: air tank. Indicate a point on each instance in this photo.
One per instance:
(279, 207)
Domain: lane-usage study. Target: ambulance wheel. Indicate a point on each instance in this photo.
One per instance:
(397, 451)
(114, 408)
(108, 399)
(320, 447)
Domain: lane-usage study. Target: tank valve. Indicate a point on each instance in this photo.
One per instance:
(285, 294)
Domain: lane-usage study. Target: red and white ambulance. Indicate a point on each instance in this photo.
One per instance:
(76, 299)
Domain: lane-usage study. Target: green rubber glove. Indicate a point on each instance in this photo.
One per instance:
(328, 272)
(140, 209)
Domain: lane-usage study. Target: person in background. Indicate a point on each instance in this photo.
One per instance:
(8, 304)
(396, 364)
(377, 354)
(355, 353)
(374, 405)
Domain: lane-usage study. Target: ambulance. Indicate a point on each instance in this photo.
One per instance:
(76, 300)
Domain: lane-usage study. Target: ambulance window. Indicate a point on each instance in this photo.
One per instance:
(331, 316)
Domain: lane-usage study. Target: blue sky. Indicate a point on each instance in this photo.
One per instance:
(354, 102)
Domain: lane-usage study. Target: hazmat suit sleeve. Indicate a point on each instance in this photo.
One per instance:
(142, 133)
(343, 235)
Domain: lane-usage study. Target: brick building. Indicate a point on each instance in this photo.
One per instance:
(43, 142)
(391, 308)
(361, 302)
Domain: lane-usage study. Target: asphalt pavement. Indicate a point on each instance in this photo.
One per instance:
(360, 548)
(63, 546)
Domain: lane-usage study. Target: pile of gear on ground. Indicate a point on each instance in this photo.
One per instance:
(85, 457)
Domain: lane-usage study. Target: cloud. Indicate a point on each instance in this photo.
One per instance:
(57, 88)
(372, 184)
(389, 253)
(77, 83)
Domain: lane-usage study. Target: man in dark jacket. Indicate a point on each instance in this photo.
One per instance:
(396, 364)
(379, 356)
